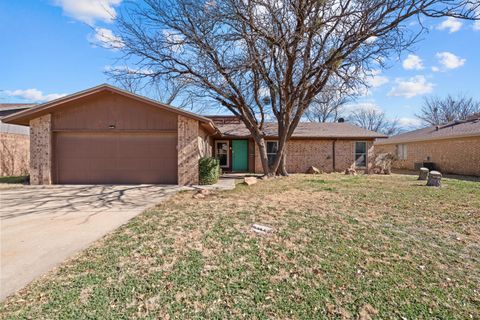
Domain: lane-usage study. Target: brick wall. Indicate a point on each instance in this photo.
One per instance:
(457, 156)
(14, 154)
(188, 150)
(41, 150)
(301, 154)
(205, 143)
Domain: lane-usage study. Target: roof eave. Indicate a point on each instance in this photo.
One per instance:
(397, 141)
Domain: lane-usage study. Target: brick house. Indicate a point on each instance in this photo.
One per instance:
(328, 146)
(14, 142)
(105, 135)
(450, 148)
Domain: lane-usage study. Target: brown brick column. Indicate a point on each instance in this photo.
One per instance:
(41, 150)
(188, 151)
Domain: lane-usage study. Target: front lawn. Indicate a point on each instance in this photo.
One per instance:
(343, 247)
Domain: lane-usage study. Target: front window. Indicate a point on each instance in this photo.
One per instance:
(221, 152)
(272, 147)
(402, 151)
(360, 154)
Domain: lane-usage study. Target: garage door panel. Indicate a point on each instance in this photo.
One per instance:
(113, 158)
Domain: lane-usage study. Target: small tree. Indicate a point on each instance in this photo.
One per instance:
(436, 110)
(234, 52)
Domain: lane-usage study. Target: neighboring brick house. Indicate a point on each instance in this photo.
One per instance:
(105, 135)
(14, 142)
(450, 148)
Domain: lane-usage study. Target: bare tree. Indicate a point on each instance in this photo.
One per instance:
(133, 80)
(327, 106)
(375, 120)
(233, 51)
(436, 110)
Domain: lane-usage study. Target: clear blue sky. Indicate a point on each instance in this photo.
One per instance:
(48, 49)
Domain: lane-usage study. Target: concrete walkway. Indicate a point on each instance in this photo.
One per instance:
(43, 226)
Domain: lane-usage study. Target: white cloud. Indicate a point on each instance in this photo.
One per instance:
(105, 38)
(411, 87)
(89, 11)
(361, 106)
(476, 25)
(410, 123)
(34, 95)
(435, 69)
(450, 61)
(127, 70)
(450, 23)
(174, 40)
(376, 79)
(412, 62)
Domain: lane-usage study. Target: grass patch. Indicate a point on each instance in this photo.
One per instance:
(343, 247)
(15, 179)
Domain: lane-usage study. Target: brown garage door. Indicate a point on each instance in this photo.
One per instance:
(115, 158)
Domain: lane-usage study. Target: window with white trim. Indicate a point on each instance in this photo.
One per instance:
(222, 153)
(402, 151)
(272, 147)
(360, 154)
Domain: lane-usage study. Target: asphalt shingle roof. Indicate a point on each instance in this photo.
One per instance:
(463, 128)
(304, 130)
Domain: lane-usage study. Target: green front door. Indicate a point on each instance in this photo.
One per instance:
(240, 155)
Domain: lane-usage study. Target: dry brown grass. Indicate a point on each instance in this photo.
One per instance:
(343, 247)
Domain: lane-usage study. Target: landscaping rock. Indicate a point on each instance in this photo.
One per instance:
(201, 194)
(313, 170)
(250, 180)
(258, 228)
(205, 192)
(434, 179)
(423, 174)
(351, 171)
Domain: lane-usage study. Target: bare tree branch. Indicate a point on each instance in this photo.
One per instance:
(375, 120)
(436, 110)
(234, 52)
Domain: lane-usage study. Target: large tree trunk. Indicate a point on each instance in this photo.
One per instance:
(278, 166)
(282, 168)
(262, 149)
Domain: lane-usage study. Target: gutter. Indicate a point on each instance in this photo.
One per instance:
(397, 141)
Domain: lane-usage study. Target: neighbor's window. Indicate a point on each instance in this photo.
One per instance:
(222, 153)
(360, 154)
(402, 151)
(272, 147)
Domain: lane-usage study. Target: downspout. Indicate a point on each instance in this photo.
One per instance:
(333, 155)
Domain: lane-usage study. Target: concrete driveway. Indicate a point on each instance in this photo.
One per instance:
(44, 225)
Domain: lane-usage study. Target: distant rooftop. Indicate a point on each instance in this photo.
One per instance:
(12, 106)
(7, 109)
(469, 127)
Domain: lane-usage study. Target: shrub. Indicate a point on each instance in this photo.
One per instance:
(209, 170)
